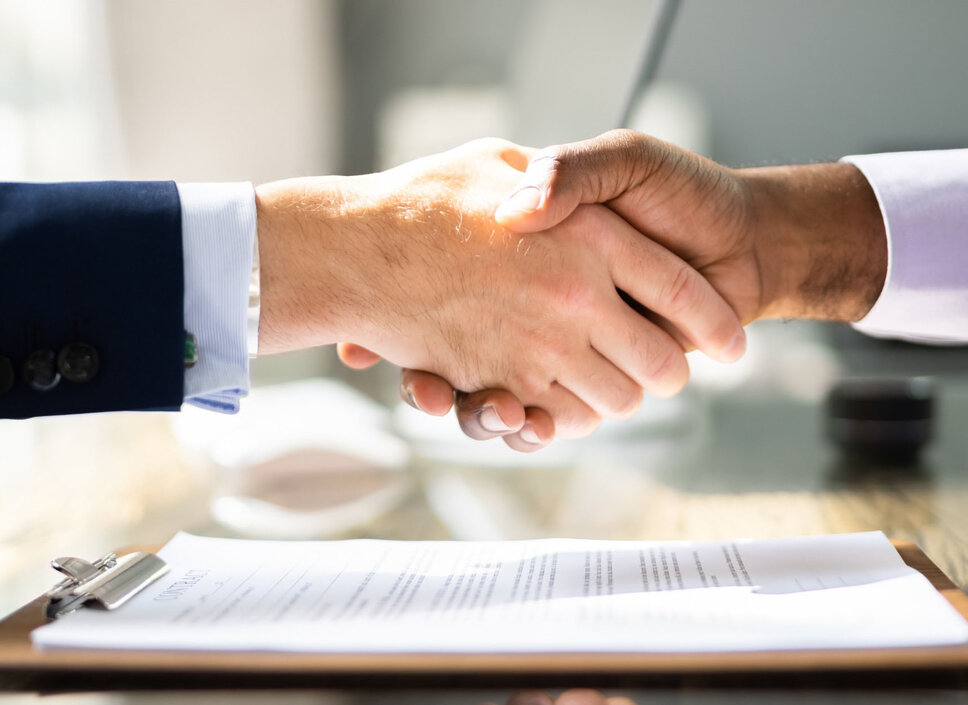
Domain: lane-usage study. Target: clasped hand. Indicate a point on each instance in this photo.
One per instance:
(548, 310)
(569, 348)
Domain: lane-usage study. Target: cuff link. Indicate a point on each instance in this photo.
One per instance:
(191, 350)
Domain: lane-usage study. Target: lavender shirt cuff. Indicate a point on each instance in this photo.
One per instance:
(924, 200)
(218, 241)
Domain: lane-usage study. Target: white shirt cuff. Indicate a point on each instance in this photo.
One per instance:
(218, 243)
(924, 200)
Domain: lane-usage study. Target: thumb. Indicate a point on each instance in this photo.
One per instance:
(528, 208)
(560, 178)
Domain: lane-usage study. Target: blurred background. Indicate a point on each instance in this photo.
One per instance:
(256, 90)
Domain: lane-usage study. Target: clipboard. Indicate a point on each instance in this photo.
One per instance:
(24, 668)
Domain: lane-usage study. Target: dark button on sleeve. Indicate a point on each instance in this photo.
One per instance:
(78, 362)
(40, 370)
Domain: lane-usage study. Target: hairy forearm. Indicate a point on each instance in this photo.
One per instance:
(819, 241)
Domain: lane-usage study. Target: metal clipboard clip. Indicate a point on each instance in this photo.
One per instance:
(108, 582)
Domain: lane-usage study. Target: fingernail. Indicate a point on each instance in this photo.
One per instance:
(522, 202)
(735, 349)
(529, 435)
(407, 393)
(492, 421)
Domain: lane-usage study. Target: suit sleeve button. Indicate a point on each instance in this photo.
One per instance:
(40, 370)
(78, 362)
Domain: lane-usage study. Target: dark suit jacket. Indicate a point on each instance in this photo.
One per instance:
(98, 263)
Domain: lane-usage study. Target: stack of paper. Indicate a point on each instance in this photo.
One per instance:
(555, 595)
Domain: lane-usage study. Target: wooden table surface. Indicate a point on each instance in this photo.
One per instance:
(749, 461)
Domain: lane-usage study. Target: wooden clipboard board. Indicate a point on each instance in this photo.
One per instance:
(24, 668)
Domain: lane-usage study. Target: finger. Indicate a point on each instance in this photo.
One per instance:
(356, 357)
(619, 700)
(536, 433)
(530, 697)
(644, 351)
(489, 413)
(580, 696)
(560, 178)
(573, 418)
(601, 385)
(426, 392)
(676, 334)
(667, 285)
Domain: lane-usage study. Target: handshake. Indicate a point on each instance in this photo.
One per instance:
(552, 288)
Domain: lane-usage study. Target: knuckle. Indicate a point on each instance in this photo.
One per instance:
(556, 351)
(666, 368)
(574, 297)
(488, 144)
(626, 142)
(637, 151)
(682, 292)
(530, 385)
(622, 135)
(546, 347)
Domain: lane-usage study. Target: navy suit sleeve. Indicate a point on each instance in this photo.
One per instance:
(97, 263)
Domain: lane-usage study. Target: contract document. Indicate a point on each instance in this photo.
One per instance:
(555, 595)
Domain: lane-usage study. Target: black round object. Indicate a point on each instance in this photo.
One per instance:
(7, 375)
(882, 420)
(40, 370)
(78, 362)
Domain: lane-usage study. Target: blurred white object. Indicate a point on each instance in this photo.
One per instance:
(790, 356)
(301, 460)
(58, 108)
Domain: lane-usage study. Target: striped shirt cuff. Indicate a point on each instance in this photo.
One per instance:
(218, 241)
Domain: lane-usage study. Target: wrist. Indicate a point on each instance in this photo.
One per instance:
(819, 241)
(299, 224)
